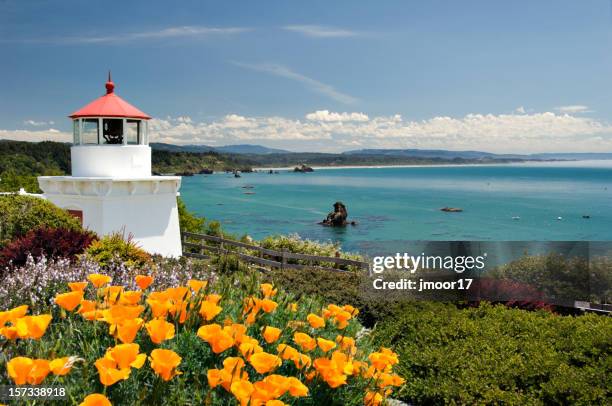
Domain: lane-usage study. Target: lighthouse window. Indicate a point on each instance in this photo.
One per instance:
(76, 133)
(133, 132)
(90, 131)
(112, 131)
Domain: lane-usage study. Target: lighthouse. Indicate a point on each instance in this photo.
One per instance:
(111, 188)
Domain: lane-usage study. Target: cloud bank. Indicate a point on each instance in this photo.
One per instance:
(327, 131)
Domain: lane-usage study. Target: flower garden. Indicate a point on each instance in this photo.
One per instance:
(205, 342)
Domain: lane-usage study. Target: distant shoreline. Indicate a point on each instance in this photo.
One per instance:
(569, 163)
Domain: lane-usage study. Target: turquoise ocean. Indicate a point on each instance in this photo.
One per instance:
(397, 205)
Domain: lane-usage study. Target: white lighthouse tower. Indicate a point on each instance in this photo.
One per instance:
(111, 188)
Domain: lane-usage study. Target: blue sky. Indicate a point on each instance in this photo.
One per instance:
(512, 76)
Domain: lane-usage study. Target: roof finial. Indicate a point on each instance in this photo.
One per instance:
(110, 86)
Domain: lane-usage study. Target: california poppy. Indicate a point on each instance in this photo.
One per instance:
(96, 399)
(315, 321)
(160, 330)
(143, 281)
(164, 363)
(264, 362)
(98, 280)
(69, 301)
(271, 334)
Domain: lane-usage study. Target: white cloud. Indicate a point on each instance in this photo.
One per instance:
(319, 31)
(573, 109)
(520, 110)
(312, 84)
(35, 123)
(333, 131)
(170, 32)
(325, 115)
(34, 136)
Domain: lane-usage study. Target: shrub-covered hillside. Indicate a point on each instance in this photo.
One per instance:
(21, 162)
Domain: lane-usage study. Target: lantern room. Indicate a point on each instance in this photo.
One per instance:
(110, 138)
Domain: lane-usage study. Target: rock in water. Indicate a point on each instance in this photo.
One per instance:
(337, 218)
(303, 168)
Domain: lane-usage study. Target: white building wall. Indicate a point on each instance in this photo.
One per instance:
(144, 207)
(121, 161)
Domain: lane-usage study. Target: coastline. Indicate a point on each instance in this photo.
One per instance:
(594, 163)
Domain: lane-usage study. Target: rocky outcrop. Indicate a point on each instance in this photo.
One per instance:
(303, 168)
(451, 209)
(206, 171)
(338, 217)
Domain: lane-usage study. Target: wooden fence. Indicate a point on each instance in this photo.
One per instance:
(265, 256)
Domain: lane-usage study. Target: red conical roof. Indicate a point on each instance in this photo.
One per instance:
(109, 105)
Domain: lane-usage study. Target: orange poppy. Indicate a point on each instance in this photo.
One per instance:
(130, 297)
(268, 290)
(164, 363)
(143, 281)
(126, 356)
(109, 373)
(271, 334)
(306, 342)
(13, 314)
(77, 286)
(326, 345)
(264, 362)
(61, 366)
(96, 399)
(32, 326)
(69, 301)
(196, 285)
(220, 339)
(160, 330)
(209, 310)
(242, 389)
(268, 305)
(315, 321)
(127, 330)
(98, 280)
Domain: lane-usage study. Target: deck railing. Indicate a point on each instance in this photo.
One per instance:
(263, 256)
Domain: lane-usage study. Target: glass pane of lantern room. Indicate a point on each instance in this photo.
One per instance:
(112, 131)
(133, 132)
(90, 131)
(76, 132)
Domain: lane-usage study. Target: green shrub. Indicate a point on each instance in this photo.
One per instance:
(21, 214)
(116, 248)
(189, 222)
(562, 278)
(496, 355)
(228, 264)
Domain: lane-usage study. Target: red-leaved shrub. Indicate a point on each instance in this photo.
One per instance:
(48, 242)
(510, 293)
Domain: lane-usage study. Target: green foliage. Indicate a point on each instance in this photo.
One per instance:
(496, 355)
(116, 248)
(189, 221)
(193, 162)
(229, 264)
(562, 278)
(21, 214)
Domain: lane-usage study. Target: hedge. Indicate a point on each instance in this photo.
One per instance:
(21, 214)
(497, 355)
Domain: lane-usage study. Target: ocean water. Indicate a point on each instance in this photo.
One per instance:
(396, 205)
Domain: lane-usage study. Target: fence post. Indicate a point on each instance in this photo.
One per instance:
(283, 259)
